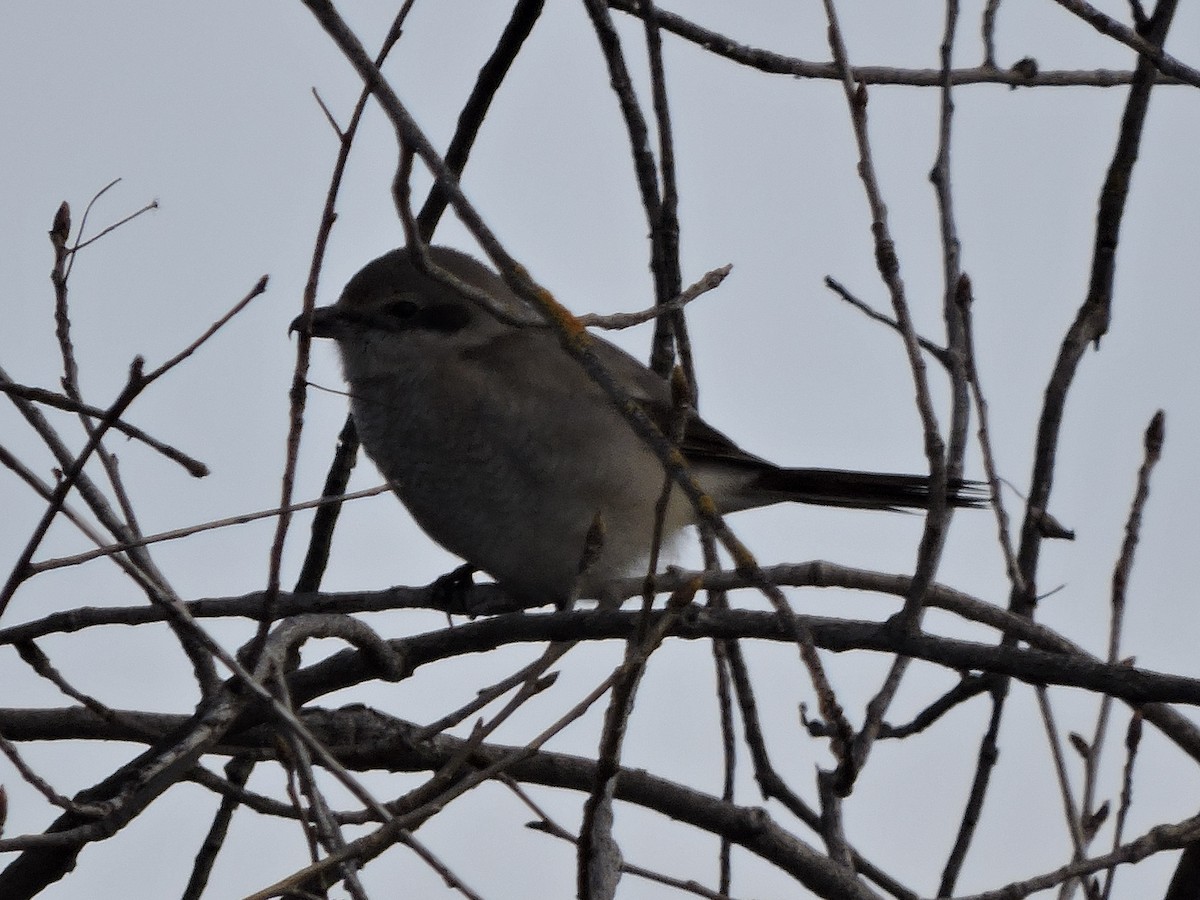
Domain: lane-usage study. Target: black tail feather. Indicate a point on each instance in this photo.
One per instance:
(863, 490)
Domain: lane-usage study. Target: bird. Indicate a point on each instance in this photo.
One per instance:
(510, 456)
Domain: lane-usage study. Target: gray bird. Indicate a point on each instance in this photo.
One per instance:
(506, 452)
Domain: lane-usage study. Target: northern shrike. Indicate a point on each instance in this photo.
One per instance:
(508, 454)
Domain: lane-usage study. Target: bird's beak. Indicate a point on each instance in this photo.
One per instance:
(326, 322)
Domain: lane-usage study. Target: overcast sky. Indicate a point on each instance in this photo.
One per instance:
(207, 109)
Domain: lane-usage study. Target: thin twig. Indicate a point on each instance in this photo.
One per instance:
(1153, 443)
(176, 533)
(546, 825)
(1091, 321)
(729, 756)
(985, 761)
(48, 398)
(599, 858)
(237, 773)
(988, 32)
(1133, 740)
(940, 177)
(664, 229)
(936, 351)
(1148, 46)
(36, 659)
(525, 675)
(965, 299)
(43, 787)
(1054, 740)
(1172, 836)
(46, 491)
(1174, 72)
(317, 818)
(79, 245)
(936, 522)
(616, 321)
(669, 335)
(491, 76)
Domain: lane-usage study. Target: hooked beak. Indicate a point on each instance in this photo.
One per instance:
(326, 322)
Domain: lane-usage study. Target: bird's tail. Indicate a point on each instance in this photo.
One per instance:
(860, 490)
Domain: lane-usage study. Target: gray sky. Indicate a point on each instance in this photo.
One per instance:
(207, 109)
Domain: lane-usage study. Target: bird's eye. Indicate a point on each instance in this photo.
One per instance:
(400, 309)
(445, 317)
